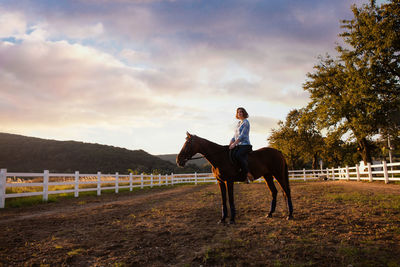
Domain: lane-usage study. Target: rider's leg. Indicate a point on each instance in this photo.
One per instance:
(241, 156)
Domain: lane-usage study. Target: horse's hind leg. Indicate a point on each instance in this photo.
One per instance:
(284, 182)
(269, 180)
(289, 202)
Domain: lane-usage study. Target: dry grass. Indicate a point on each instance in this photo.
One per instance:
(336, 224)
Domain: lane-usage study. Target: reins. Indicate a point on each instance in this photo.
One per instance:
(196, 158)
(220, 152)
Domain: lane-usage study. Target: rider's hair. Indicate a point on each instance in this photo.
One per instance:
(245, 114)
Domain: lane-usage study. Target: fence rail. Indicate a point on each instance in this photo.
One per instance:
(46, 183)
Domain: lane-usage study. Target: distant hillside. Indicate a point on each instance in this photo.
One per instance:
(28, 154)
(172, 158)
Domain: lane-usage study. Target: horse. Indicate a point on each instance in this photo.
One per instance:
(265, 162)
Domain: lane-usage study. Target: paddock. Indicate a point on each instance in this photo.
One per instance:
(336, 223)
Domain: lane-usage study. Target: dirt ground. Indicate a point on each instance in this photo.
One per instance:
(336, 224)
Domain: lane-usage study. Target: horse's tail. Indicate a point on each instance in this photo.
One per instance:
(285, 173)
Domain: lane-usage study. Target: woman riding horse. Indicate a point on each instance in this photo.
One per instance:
(240, 143)
(267, 162)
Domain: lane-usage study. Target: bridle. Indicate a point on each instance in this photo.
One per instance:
(188, 150)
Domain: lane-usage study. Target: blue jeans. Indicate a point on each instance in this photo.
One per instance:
(240, 154)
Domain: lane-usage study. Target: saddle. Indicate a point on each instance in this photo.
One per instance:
(232, 159)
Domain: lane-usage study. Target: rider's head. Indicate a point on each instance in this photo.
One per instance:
(243, 112)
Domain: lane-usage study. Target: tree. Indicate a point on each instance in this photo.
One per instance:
(336, 152)
(298, 139)
(358, 93)
(311, 139)
(285, 139)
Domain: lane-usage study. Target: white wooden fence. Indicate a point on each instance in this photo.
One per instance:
(46, 183)
(388, 172)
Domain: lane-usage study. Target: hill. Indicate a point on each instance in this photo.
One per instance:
(28, 154)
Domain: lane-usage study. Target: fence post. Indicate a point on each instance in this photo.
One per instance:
(45, 185)
(333, 174)
(116, 182)
(159, 179)
(385, 172)
(141, 180)
(98, 183)
(172, 178)
(130, 182)
(304, 174)
(3, 183)
(76, 191)
(347, 173)
(358, 172)
(370, 172)
(195, 178)
(151, 180)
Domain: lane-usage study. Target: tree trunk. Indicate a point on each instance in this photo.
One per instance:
(365, 150)
(315, 161)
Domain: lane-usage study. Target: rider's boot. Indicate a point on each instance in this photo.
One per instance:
(250, 177)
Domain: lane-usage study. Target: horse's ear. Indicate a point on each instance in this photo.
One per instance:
(188, 135)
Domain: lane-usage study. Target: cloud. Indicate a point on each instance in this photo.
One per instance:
(79, 32)
(58, 83)
(11, 24)
(147, 64)
(134, 57)
(190, 46)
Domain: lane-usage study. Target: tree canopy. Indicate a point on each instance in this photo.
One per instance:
(354, 96)
(358, 91)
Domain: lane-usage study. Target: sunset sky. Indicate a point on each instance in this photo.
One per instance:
(138, 74)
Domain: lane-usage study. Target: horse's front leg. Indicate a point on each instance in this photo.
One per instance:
(222, 186)
(231, 202)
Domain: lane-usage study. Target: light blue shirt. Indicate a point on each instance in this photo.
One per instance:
(242, 132)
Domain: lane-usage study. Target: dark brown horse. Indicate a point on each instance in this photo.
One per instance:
(267, 162)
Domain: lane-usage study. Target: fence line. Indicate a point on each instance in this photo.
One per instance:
(43, 183)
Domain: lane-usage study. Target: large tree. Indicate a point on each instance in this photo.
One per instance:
(358, 92)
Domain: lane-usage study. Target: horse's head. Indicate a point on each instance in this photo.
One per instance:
(189, 149)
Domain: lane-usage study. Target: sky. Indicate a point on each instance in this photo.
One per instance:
(139, 74)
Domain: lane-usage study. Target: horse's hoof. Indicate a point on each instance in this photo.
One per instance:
(290, 217)
(269, 215)
(222, 221)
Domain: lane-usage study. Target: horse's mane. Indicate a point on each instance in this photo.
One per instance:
(205, 140)
(210, 143)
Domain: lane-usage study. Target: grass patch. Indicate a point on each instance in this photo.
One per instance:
(19, 202)
(376, 201)
(26, 201)
(75, 252)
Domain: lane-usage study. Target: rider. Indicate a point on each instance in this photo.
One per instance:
(240, 143)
